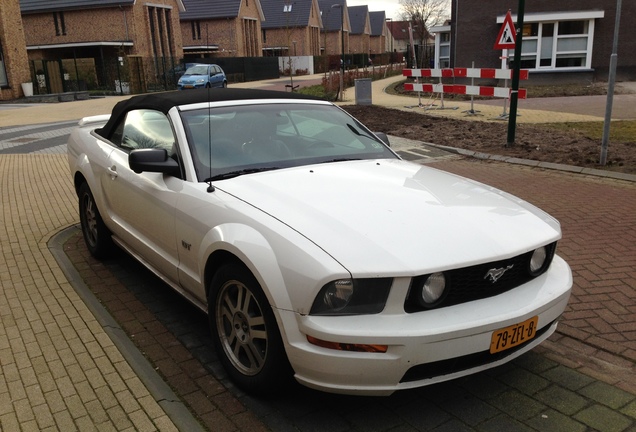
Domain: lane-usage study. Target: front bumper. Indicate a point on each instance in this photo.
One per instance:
(426, 347)
(190, 86)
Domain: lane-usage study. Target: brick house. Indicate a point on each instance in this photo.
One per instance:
(400, 33)
(222, 28)
(336, 26)
(360, 36)
(61, 32)
(562, 41)
(14, 65)
(424, 43)
(291, 27)
(379, 31)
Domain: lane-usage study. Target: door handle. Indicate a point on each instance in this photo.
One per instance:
(112, 171)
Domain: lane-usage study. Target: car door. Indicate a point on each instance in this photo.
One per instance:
(143, 205)
(99, 157)
(216, 79)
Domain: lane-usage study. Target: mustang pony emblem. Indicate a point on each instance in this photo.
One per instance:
(496, 273)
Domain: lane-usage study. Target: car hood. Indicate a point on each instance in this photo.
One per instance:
(191, 77)
(391, 217)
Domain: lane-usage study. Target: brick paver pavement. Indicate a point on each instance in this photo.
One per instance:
(59, 370)
(598, 219)
(533, 392)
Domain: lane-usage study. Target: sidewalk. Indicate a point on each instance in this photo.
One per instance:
(544, 110)
(62, 370)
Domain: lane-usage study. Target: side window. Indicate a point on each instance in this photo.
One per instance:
(144, 129)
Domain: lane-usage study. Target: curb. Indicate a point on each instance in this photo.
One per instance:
(162, 393)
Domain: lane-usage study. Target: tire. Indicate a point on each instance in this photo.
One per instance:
(224, 84)
(96, 236)
(245, 332)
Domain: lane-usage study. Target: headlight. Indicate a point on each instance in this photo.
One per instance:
(430, 289)
(352, 297)
(433, 288)
(337, 294)
(540, 259)
(200, 80)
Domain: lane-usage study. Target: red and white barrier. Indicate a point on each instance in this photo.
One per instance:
(502, 92)
(488, 73)
(428, 73)
(430, 88)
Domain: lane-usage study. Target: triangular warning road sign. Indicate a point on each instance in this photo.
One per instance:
(507, 34)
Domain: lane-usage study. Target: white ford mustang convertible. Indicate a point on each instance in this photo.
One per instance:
(315, 250)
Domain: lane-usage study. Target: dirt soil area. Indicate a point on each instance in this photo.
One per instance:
(535, 142)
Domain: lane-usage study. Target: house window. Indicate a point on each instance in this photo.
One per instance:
(60, 26)
(250, 37)
(161, 36)
(196, 30)
(287, 8)
(554, 45)
(442, 49)
(442, 46)
(3, 73)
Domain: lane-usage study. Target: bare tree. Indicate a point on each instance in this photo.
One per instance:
(424, 14)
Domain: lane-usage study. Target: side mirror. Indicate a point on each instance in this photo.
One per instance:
(153, 160)
(383, 137)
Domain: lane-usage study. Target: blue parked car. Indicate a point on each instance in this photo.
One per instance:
(202, 76)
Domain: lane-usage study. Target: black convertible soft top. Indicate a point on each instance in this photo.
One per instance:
(167, 100)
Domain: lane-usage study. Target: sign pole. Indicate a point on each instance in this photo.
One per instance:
(514, 94)
(610, 87)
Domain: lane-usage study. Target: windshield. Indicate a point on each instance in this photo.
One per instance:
(236, 140)
(197, 70)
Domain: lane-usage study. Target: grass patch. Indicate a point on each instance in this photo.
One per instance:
(319, 91)
(620, 130)
(536, 91)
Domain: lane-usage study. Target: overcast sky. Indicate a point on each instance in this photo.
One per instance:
(391, 7)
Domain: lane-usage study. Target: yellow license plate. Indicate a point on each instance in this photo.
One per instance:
(514, 335)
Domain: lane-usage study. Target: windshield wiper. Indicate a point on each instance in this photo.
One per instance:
(341, 160)
(357, 132)
(232, 174)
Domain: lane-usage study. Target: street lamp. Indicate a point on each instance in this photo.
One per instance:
(411, 40)
(342, 59)
(391, 36)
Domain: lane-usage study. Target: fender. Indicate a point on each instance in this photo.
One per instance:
(315, 267)
(89, 166)
(254, 251)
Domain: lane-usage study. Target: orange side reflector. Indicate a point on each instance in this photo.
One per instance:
(347, 347)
